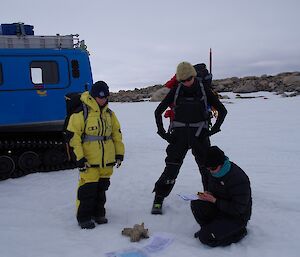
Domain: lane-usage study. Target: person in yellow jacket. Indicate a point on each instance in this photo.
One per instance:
(97, 143)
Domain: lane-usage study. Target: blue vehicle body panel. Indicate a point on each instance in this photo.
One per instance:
(25, 103)
(36, 73)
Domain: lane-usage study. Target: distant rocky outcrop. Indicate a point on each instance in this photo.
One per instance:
(136, 95)
(280, 83)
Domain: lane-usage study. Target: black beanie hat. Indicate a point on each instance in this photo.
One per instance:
(100, 89)
(215, 157)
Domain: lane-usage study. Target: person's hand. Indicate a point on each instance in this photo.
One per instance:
(119, 159)
(207, 196)
(214, 130)
(83, 164)
(166, 136)
(118, 163)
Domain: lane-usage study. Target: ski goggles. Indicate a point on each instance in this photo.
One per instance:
(187, 80)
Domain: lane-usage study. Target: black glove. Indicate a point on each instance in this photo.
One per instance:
(119, 159)
(214, 130)
(166, 136)
(82, 164)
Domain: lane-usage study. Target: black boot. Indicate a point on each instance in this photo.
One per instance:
(157, 205)
(238, 236)
(87, 224)
(101, 220)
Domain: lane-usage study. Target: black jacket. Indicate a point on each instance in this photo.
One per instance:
(212, 100)
(233, 193)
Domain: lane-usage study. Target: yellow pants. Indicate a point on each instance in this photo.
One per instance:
(92, 175)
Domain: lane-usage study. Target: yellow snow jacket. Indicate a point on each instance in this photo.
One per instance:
(99, 122)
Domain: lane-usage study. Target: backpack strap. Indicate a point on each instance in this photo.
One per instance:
(177, 93)
(201, 88)
(85, 111)
(89, 138)
(174, 104)
(86, 138)
(204, 97)
(200, 125)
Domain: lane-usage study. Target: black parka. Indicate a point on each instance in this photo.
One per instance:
(233, 193)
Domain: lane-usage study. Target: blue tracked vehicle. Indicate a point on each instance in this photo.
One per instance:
(36, 72)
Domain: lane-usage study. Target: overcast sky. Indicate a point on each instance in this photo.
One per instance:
(138, 43)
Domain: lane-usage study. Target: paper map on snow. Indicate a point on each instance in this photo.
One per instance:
(134, 252)
(189, 197)
(159, 242)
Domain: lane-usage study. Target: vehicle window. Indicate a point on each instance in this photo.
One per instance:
(37, 75)
(44, 72)
(1, 77)
(75, 69)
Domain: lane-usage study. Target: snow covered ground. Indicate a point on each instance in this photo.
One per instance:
(37, 212)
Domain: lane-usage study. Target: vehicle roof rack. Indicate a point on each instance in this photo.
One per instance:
(41, 42)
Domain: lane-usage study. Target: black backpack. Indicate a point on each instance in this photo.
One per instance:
(73, 105)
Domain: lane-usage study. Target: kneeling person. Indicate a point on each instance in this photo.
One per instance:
(224, 210)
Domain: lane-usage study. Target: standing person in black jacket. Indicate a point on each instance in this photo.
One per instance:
(225, 208)
(188, 130)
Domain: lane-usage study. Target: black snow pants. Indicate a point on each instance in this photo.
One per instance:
(182, 139)
(217, 229)
(92, 197)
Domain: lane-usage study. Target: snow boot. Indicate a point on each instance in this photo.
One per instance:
(87, 224)
(240, 235)
(157, 205)
(101, 220)
(156, 208)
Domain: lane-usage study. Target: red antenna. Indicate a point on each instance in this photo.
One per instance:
(210, 60)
